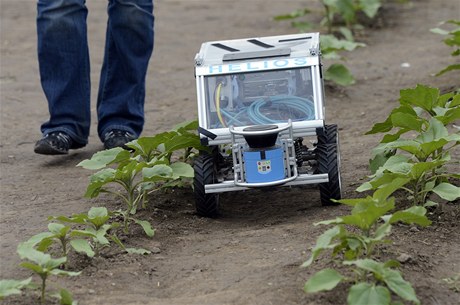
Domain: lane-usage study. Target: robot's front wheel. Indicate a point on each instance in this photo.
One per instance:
(328, 158)
(207, 205)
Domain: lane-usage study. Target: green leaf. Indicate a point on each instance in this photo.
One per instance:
(448, 69)
(66, 297)
(346, 9)
(146, 226)
(412, 215)
(181, 169)
(381, 127)
(331, 43)
(383, 192)
(369, 265)
(447, 191)
(82, 246)
(84, 233)
(103, 158)
(339, 74)
(455, 102)
(182, 141)
(367, 213)
(398, 285)
(147, 147)
(326, 279)
(98, 216)
(430, 203)
(293, 15)
(387, 125)
(323, 242)
(436, 131)
(382, 231)
(376, 162)
(26, 251)
(397, 164)
(101, 235)
(393, 137)
(420, 169)
(451, 115)
(370, 7)
(58, 229)
(54, 263)
(421, 96)
(367, 294)
(10, 287)
(407, 121)
(158, 172)
(34, 267)
(410, 146)
(439, 31)
(98, 180)
(36, 239)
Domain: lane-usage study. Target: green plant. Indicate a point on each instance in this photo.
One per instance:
(98, 232)
(352, 242)
(453, 40)
(331, 45)
(420, 159)
(330, 48)
(148, 167)
(333, 10)
(41, 264)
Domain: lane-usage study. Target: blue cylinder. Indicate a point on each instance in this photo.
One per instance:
(264, 165)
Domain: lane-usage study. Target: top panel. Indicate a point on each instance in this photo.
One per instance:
(227, 52)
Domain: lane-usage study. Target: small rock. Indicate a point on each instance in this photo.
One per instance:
(91, 291)
(155, 250)
(404, 258)
(414, 229)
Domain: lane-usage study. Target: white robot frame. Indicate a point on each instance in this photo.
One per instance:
(258, 98)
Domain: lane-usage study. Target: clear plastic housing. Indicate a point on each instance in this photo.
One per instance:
(259, 98)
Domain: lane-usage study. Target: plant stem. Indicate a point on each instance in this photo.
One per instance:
(42, 298)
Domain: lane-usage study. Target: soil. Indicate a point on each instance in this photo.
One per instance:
(252, 253)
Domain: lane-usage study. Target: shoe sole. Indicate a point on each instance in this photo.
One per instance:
(44, 149)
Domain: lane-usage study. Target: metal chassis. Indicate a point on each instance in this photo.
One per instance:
(286, 136)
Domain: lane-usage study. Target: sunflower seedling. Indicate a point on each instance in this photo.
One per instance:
(41, 264)
(96, 234)
(353, 240)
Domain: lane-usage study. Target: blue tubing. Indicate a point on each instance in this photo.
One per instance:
(302, 105)
(254, 114)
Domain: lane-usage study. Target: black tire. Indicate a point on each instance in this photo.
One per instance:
(329, 162)
(207, 205)
(328, 134)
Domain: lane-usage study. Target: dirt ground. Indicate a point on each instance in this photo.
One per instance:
(250, 255)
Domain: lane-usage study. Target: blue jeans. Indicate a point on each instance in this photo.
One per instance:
(65, 70)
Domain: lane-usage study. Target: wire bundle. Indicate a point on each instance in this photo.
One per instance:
(298, 108)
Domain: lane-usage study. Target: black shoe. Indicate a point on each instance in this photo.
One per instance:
(117, 138)
(54, 143)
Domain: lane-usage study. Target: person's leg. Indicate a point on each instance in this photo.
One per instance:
(64, 67)
(129, 45)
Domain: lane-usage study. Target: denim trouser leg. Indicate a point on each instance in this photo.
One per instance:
(64, 66)
(129, 45)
